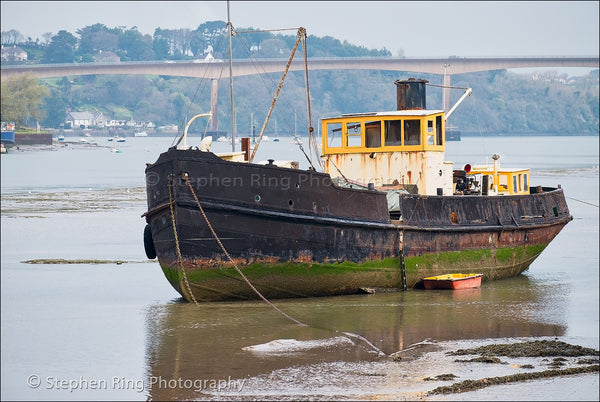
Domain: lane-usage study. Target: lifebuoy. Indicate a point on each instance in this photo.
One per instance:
(148, 243)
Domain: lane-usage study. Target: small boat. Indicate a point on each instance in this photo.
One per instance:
(141, 134)
(8, 133)
(61, 137)
(120, 139)
(222, 139)
(453, 281)
(276, 140)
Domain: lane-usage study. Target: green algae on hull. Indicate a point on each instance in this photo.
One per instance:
(309, 279)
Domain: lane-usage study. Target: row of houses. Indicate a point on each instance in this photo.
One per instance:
(97, 119)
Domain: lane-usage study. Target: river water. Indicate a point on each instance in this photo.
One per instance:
(119, 331)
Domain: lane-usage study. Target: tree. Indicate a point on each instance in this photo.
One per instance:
(214, 31)
(22, 98)
(96, 38)
(54, 108)
(61, 48)
(136, 47)
(11, 37)
(160, 44)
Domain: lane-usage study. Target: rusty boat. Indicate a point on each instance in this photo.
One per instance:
(384, 211)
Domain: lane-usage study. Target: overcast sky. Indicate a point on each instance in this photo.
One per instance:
(417, 29)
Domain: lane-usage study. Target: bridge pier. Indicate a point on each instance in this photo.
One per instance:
(446, 93)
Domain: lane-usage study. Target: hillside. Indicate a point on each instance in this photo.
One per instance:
(503, 102)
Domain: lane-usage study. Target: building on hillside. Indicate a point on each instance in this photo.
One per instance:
(13, 53)
(86, 120)
(106, 57)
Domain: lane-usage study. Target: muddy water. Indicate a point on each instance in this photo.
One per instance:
(119, 331)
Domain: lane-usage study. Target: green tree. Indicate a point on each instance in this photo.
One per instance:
(61, 49)
(54, 108)
(136, 47)
(21, 99)
(96, 38)
(160, 44)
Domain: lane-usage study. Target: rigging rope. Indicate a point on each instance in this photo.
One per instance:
(287, 68)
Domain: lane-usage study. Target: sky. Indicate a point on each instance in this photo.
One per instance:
(408, 28)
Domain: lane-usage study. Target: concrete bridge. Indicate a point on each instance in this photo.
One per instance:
(218, 69)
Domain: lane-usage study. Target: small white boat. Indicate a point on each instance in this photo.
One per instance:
(222, 139)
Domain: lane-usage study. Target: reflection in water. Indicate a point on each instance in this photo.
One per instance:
(190, 348)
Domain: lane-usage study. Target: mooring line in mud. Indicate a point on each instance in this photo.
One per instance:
(348, 334)
(239, 271)
(362, 338)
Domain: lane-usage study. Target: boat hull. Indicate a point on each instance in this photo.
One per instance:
(293, 233)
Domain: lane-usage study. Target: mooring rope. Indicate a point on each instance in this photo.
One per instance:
(239, 271)
(584, 202)
(179, 258)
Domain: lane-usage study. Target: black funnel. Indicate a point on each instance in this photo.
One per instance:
(411, 94)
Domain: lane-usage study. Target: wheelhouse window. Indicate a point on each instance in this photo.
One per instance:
(334, 135)
(430, 134)
(393, 132)
(354, 134)
(373, 134)
(438, 130)
(412, 132)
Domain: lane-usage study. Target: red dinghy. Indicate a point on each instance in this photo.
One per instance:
(453, 281)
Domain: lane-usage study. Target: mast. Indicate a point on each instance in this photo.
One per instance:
(230, 32)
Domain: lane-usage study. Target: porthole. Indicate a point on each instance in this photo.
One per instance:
(257, 198)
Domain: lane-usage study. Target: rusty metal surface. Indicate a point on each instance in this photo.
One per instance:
(410, 94)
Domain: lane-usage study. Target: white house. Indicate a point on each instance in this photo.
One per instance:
(13, 53)
(86, 120)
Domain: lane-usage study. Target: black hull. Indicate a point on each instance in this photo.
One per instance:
(295, 234)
